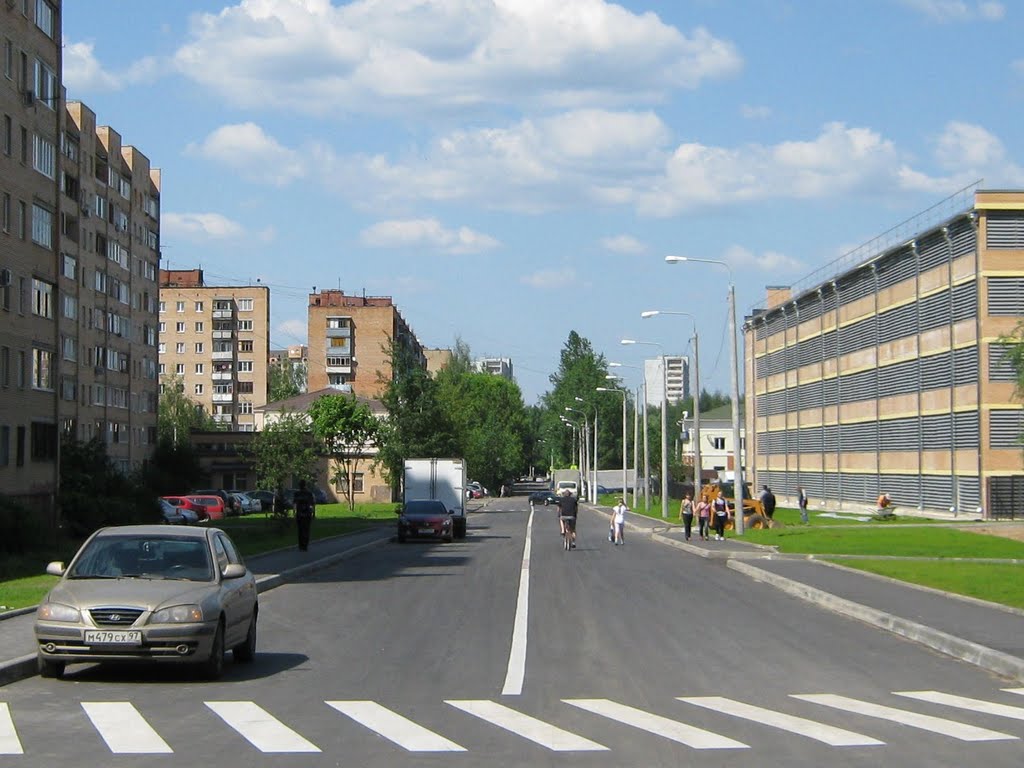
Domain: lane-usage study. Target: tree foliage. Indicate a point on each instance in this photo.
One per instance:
(178, 414)
(93, 493)
(344, 429)
(285, 380)
(283, 452)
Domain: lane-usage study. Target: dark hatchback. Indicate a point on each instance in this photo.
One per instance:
(424, 518)
(543, 497)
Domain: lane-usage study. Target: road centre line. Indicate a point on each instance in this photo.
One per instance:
(957, 730)
(260, 728)
(516, 671)
(836, 737)
(962, 702)
(656, 724)
(10, 744)
(535, 730)
(124, 729)
(393, 727)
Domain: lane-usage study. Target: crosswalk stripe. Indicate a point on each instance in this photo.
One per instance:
(836, 737)
(962, 702)
(528, 727)
(259, 727)
(124, 729)
(1018, 691)
(660, 726)
(10, 744)
(392, 726)
(957, 730)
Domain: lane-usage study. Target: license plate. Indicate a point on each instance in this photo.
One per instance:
(427, 530)
(113, 637)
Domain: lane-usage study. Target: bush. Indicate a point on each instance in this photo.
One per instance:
(20, 527)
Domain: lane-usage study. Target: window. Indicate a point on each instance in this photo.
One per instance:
(44, 441)
(245, 387)
(8, 59)
(245, 407)
(5, 366)
(69, 266)
(45, 85)
(70, 307)
(338, 322)
(179, 327)
(245, 366)
(199, 368)
(19, 448)
(161, 348)
(718, 443)
(199, 347)
(245, 346)
(5, 446)
(163, 306)
(42, 226)
(245, 305)
(162, 369)
(45, 17)
(22, 219)
(8, 135)
(69, 348)
(357, 483)
(179, 306)
(44, 156)
(5, 216)
(179, 369)
(199, 327)
(179, 348)
(199, 306)
(198, 389)
(42, 299)
(163, 327)
(42, 369)
(19, 373)
(245, 325)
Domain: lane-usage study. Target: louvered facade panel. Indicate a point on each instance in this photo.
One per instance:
(1005, 230)
(1005, 428)
(1000, 366)
(1006, 296)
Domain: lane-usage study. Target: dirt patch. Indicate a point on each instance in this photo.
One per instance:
(1008, 531)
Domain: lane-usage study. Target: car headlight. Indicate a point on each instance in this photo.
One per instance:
(446, 522)
(58, 612)
(178, 614)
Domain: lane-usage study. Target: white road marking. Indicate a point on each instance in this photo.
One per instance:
(10, 744)
(836, 737)
(528, 727)
(656, 724)
(124, 729)
(393, 727)
(952, 728)
(260, 728)
(516, 671)
(1018, 691)
(962, 702)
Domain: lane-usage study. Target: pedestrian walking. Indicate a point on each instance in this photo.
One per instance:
(801, 497)
(619, 521)
(721, 509)
(305, 511)
(703, 517)
(768, 502)
(686, 514)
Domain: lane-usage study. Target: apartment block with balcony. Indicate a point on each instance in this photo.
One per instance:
(350, 339)
(496, 366)
(31, 113)
(667, 377)
(215, 342)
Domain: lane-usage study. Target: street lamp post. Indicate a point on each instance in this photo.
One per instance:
(737, 451)
(636, 433)
(584, 446)
(592, 495)
(624, 449)
(697, 465)
(664, 425)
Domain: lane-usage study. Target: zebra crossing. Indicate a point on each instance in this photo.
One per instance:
(125, 730)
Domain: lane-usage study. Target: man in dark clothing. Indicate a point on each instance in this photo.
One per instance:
(768, 500)
(305, 511)
(568, 508)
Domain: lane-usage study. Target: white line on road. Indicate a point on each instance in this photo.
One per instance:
(10, 744)
(124, 729)
(528, 727)
(962, 702)
(393, 727)
(260, 728)
(656, 724)
(1018, 691)
(957, 730)
(517, 654)
(836, 737)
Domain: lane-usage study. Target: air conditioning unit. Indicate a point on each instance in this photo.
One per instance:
(5, 277)
(30, 98)
(85, 211)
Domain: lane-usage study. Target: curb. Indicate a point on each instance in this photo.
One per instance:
(991, 660)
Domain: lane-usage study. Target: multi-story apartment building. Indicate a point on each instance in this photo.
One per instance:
(215, 340)
(667, 377)
(350, 339)
(496, 366)
(31, 112)
(109, 258)
(886, 372)
(296, 354)
(437, 359)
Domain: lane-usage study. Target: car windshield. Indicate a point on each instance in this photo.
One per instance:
(425, 508)
(143, 557)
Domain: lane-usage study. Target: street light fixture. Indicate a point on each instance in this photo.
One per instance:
(664, 424)
(641, 397)
(737, 452)
(697, 466)
(624, 447)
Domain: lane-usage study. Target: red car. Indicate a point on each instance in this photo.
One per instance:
(424, 518)
(183, 502)
(214, 506)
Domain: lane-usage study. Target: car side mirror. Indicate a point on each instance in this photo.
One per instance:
(56, 568)
(233, 571)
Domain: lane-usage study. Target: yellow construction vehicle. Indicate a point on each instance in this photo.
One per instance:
(753, 510)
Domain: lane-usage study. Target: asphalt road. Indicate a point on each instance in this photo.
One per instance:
(638, 655)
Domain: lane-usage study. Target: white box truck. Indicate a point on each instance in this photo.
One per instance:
(562, 479)
(442, 480)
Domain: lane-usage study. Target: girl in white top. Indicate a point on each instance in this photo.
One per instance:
(619, 520)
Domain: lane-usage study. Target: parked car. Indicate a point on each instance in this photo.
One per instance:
(230, 507)
(172, 515)
(183, 502)
(266, 499)
(424, 518)
(149, 593)
(320, 495)
(213, 505)
(544, 497)
(247, 504)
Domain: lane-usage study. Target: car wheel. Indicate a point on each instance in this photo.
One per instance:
(447, 539)
(48, 668)
(213, 667)
(246, 652)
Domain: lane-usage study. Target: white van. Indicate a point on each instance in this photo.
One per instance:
(570, 484)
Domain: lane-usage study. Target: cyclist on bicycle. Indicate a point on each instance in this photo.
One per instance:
(568, 507)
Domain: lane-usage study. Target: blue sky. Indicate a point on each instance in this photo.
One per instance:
(513, 170)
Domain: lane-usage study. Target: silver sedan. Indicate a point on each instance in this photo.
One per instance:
(149, 593)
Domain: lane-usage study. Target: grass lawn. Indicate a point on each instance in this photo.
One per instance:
(23, 580)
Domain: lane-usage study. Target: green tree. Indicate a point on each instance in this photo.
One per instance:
(283, 451)
(345, 429)
(93, 493)
(178, 414)
(285, 380)
(172, 469)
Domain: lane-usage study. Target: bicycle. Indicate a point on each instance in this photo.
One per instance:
(568, 532)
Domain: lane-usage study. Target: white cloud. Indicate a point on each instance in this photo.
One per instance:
(381, 55)
(294, 328)
(82, 71)
(740, 258)
(550, 278)
(430, 233)
(199, 227)
(247, 149)
(958, 10)
(623, 244)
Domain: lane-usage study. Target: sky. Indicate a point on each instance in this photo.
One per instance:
(510, 171)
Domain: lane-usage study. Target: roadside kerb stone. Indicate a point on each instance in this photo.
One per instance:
(973, 653)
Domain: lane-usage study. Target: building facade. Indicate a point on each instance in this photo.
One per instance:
(215, 341)
(496, 366)
(667, 377)
(350, 340)
(891, 376)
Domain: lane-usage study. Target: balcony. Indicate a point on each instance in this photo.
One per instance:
(223, 314)
(224, 356)
(339, 333)
(339, 369)
(228, 335)
(222, 418)
(223, 397)
(223, 376)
